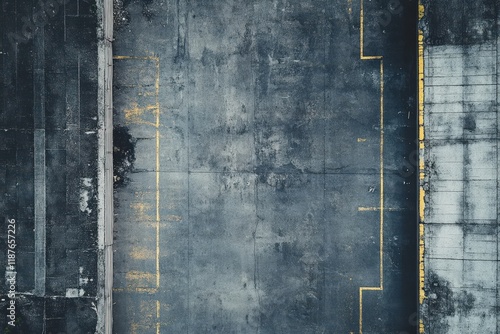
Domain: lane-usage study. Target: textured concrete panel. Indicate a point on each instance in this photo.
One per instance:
(267, 168)
(461, 174)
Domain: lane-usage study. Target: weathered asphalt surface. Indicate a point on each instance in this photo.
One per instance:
(253, 200)
(48, 157)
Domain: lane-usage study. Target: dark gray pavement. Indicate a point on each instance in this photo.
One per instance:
(48, 164)
(266, 179)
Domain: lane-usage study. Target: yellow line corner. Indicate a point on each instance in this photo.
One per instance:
(381, 205)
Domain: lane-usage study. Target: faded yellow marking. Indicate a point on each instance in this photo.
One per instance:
(140, 207)
(157, 317)
(361, 140)
(421, 262)
(376, 208)
(174, 218)
(362, 36)
(381, 176)
(139, 278)
(147, 94)
(147, 309)
(421, 132)
(137, 290)
(158, 218)
(141, 211)
(136, 57)
(421, 140)
(135, 114)
(141, 253)
(421, 11)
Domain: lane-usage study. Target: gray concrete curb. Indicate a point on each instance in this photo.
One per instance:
(105, 172)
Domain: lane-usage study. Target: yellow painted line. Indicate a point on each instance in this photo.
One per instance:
(141, 212)
(139, 278)
(421, 140)
(421, 11)
(157, 89)
(158, 317)
(376, 208)
(381, 176)
(361, 140)
(421, 146)
(142, 253)
(134, 113)
(173, 218)
(362, 36)
(136, 58)
(421, 262)
(421, 135)
(136, 290)
(361, 290)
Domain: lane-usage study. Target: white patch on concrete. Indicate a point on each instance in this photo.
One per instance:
(74, 293)
(85, 195)
(87, 182)
(84, 201)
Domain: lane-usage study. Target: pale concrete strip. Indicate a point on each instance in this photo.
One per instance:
(462, 201)
(105, 165)
(40, 212)
(39, 161)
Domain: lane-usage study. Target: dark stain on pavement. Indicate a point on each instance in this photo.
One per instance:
(121, 16)
(443, 302)
(123, 155)
(440, 302)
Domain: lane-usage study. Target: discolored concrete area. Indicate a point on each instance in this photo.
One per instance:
(48, 166)
(272, 183)
(460, 189)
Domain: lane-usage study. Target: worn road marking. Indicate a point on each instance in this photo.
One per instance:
(381, 206)
(421, 145)
(140, 278)
(376, 208)
(134, 115)
(142, 253)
